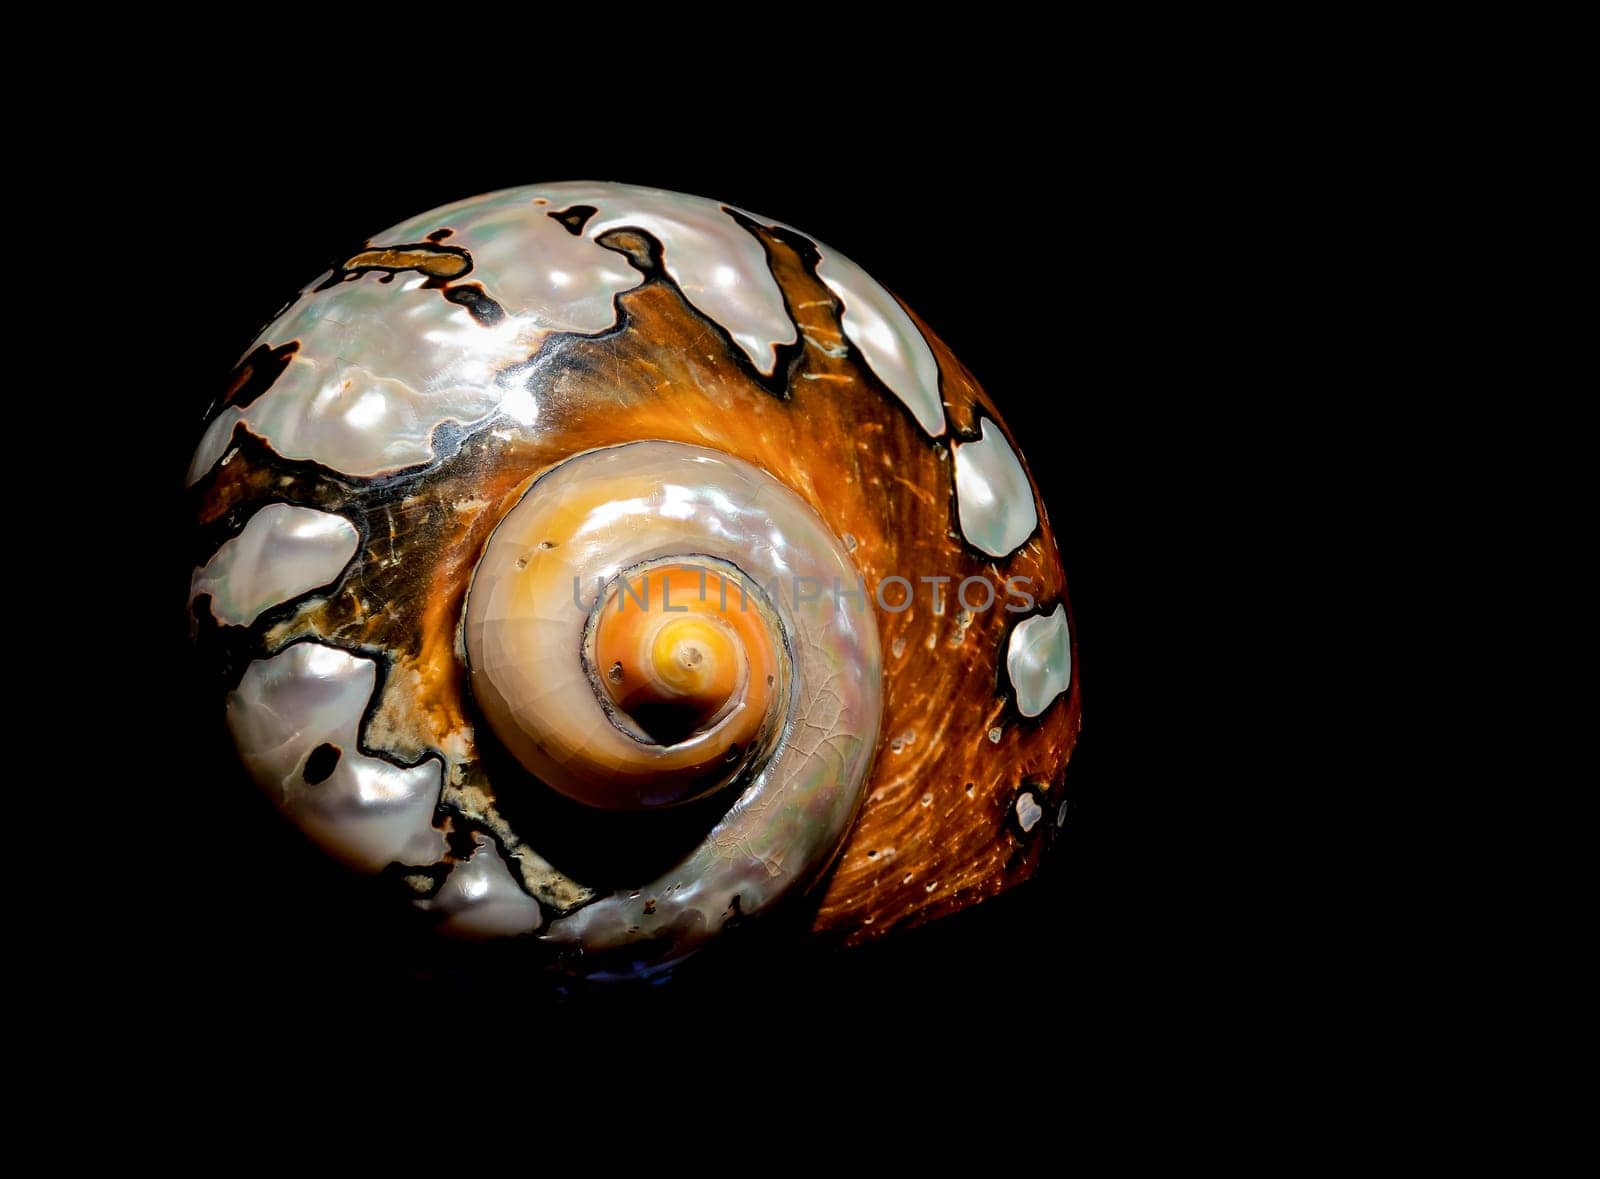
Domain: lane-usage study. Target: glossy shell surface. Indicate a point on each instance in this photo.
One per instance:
(439, 472)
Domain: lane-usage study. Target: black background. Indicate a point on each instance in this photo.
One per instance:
(1068, 297)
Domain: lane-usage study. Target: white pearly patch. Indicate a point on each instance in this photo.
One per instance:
(1028, 812)
(367, 811)
(283, 552)
(1039, 660)
(380, 367)
(892, 343)
(993, 498)
(480, 898)
(718, 265)
(526, 260)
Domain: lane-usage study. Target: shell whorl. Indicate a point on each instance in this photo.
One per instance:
(442, 479)
(530, 637)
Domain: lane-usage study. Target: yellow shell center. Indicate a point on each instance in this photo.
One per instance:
(694, 660)
(677, 649)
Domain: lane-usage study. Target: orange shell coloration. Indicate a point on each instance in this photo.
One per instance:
(352, 480)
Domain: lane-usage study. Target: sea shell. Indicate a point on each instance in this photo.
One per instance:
(604, 566)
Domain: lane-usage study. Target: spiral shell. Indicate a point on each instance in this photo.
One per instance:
(447, 483)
